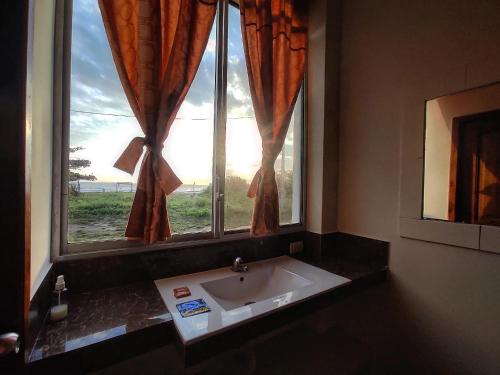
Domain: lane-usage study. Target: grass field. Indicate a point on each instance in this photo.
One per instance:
(104, 216)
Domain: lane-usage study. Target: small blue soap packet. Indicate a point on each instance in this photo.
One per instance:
(194, 307)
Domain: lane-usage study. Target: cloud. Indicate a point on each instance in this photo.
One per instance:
(95, 87)
(95, 83)
(239, 101)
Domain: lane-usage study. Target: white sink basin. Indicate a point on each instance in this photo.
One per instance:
(234, 298)
(253, 286)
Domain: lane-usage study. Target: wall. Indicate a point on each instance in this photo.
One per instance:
(322, 120)
(449, 294)
(41, 174)
(440, 114)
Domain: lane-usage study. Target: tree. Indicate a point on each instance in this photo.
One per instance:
(75, 165)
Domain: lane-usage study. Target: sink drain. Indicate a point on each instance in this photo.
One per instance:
(248, 303)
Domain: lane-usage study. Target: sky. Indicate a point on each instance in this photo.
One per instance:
(106, 131)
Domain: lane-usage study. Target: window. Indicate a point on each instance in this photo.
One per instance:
(243, 150)
(217, 165)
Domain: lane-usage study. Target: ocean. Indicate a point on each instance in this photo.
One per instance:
(104, 187)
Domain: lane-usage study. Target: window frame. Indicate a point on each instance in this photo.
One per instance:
(60, 248)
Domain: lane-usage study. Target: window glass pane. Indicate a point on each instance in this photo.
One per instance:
(288, 169)
(189, 150)
(101, 126)
(243, 148)
(243, 144)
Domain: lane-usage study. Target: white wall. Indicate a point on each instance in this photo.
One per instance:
(41, 173)
(322, 120)
(451, 294)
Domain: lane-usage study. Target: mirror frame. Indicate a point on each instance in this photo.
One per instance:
(415, 93)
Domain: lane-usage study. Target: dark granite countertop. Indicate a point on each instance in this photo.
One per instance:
(354, 270)
(101, 315)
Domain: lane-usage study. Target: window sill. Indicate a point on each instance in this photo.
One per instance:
(121, 247)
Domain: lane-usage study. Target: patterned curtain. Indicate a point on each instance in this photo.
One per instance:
(157, 47)
(275, 40)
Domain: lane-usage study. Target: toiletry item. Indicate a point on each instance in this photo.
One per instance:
(59, 309)
(58, 312)
(195, 307)
(182, 292)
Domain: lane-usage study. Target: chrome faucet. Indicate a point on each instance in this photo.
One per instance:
(238, 265)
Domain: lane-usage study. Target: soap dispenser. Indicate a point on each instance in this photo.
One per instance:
(59, 309)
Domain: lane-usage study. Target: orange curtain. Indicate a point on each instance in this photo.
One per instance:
(157, 47)
(275, 40)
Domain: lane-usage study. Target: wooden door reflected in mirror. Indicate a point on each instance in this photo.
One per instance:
(475, 170)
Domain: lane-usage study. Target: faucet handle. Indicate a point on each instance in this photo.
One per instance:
(238, 266)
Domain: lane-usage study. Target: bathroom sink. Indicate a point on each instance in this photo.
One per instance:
(234, 298)
(253, 286)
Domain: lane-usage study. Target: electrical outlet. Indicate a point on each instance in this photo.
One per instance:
(296, 247)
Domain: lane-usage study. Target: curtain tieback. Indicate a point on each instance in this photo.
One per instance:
(254, 185)
(257, 178)
(163, 173)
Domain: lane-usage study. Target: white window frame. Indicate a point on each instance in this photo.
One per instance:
(62, 77)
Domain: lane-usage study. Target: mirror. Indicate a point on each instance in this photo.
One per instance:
(462, 157)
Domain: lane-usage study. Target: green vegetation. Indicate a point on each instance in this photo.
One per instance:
(98, 216)
(238, 210)
(190, 212)
(104, 216)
